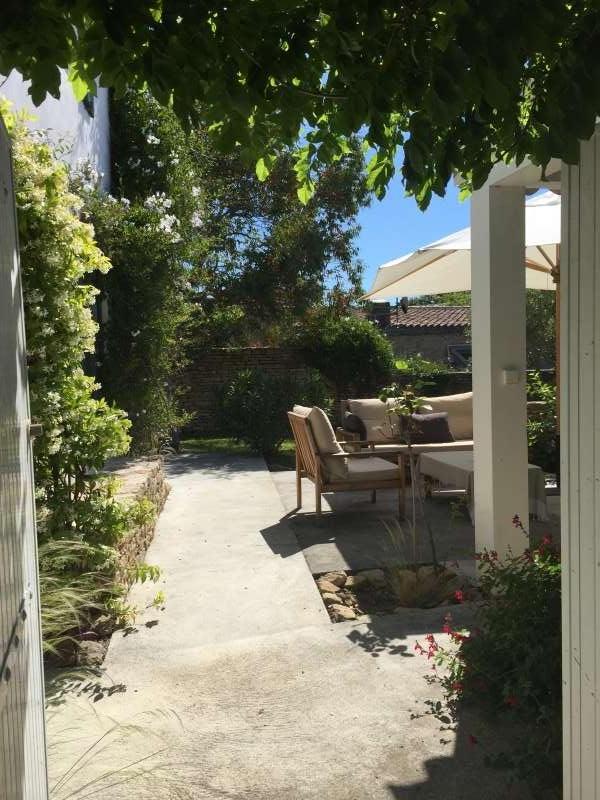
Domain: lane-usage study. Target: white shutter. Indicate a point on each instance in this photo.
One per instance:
(23, 774)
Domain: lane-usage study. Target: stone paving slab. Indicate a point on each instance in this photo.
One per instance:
(241, 688)
(354, 533)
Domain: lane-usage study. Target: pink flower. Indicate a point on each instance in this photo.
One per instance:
(459, 596)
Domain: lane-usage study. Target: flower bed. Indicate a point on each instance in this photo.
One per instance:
(350, 595)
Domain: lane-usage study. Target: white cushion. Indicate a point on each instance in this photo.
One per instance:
(325, 442)
(371, 469)
(460, 412)
(303, 411)
(374, 414)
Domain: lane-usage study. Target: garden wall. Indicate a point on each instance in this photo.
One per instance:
(214, 368)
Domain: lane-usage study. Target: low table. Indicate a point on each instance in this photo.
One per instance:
(456, 470)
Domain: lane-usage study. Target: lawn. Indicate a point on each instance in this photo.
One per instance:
(284, 458)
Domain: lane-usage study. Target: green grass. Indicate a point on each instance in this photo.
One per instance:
(216, 444)
(284, 458)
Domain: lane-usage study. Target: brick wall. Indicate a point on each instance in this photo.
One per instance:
(214, 368)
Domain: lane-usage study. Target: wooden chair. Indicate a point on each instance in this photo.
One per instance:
(311, 464)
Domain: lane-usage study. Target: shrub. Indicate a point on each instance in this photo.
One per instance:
(79, 518)
(80, 430)
(511, 663)
(253, 407)
(152, 236)
(349, 352)
(141, 350)
(542, 434)
(420, 367)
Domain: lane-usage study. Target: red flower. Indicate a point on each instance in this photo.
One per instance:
(459, 596)
(547, 539)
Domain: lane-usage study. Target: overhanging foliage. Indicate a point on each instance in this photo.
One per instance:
(459, 84)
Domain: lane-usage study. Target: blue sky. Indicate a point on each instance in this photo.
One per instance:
(394, 226)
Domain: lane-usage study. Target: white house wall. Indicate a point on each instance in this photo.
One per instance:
(87, 138)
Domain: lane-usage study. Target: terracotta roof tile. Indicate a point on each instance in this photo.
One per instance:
(431, 317)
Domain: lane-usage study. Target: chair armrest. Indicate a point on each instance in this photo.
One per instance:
(360, 454)
(371, 443)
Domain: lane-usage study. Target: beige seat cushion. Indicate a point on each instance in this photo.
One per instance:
(374, 414)
(371, 469)
(460, 412)
(325, 441)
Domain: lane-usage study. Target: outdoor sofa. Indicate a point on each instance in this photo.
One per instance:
(367, 423)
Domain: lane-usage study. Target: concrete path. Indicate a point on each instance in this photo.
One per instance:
(241, 688)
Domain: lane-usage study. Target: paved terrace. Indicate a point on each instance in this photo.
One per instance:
(240, 687)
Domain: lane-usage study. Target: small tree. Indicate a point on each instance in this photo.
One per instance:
(253, 406)
(151, 234)
(349, 352)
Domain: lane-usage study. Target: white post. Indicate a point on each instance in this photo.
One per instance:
(580, 471)
(499, 363)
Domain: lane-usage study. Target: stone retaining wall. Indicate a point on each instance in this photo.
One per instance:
(140, 479)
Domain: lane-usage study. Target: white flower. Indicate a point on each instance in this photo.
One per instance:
(159, 163)
(152, 139)
(196, 191)
(167, 223)
(158, 202)
(196, 219)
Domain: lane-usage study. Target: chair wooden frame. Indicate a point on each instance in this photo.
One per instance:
(309, 464)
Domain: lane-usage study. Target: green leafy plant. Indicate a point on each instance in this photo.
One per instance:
(417, 366)
(254, 404)
(434, 80)
(80, 519)
(141, 342)
(349, 352)
(403, 403)
(510, 663)
(542, 427)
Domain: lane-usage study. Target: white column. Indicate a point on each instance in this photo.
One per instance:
(499, 363)
(580, 471)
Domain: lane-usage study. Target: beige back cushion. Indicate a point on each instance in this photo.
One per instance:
(460, 412)
(373, 413)
(325, 441)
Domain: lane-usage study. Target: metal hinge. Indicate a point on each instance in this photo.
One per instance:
(35, 429)
(11, 651)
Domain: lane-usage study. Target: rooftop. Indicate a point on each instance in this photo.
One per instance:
(432, 316)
